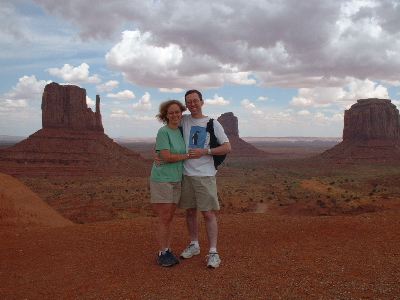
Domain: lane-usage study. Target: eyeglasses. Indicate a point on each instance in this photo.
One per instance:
(195, 101)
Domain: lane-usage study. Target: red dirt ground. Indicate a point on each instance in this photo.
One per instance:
(264, 257)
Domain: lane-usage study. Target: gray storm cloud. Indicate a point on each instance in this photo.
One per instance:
(278, 43)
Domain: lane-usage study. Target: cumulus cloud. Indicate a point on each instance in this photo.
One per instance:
(357, 89)
(20, 106)
(107, 86)
(247, 104)
(240, 78)
(8, 104)
(251, 107)
(143, 104)
(123, 95)
(90, 102)
(28, 87)
(234, 75)
(73, 74)
(273, 43)
(342, 97)
(141, 61)
(303, 112)
(11, 23)
(27, 90)
(119, 113)
(217, 100)
(143, 118)
(173, 90)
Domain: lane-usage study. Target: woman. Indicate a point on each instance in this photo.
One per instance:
(165, 179)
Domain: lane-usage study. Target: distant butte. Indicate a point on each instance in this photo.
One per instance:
(71, 142)
(239, 147)
(64, 106)
(371, 132)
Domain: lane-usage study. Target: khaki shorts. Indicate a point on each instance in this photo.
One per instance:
(199, 192)
(165, 192)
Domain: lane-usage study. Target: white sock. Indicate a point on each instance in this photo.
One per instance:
(162, 251)
(196, 243)
(213, 250)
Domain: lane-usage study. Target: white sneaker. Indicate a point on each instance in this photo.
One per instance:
(213, 260)
(190, 251)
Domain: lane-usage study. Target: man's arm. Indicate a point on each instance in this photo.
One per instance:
(225, 148)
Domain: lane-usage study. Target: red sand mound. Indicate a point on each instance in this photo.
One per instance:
(20, 206)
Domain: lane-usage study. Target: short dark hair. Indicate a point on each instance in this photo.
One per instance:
(163, 110)
(192, 92)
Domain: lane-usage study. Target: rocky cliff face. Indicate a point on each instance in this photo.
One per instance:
(64, 106)
(371, 119)
(371, 131)
(239, 146)
(71, 142)
(230, 124)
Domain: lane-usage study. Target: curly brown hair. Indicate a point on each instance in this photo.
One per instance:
(162, 115)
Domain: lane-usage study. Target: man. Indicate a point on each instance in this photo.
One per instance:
(199, 188)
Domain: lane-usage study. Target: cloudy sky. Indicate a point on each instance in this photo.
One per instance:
(283, 67)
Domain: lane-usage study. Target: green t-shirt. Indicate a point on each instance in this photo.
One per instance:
(172, 140)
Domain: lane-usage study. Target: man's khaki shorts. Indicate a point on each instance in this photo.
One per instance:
(165, 192)
(199, 192)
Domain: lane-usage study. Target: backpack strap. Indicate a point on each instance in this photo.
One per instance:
(218, 159)
(213, 138)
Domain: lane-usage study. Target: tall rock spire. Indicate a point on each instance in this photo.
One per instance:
(239, 147)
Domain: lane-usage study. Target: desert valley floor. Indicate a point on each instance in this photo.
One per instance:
(292, 226)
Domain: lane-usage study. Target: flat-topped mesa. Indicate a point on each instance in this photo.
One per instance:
(371, 133)
(64, 106)
(371, 119)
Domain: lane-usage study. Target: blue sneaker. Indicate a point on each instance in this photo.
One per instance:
(172, 256)
(167, 259)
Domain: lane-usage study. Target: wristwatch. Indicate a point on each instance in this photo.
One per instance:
(209, 151)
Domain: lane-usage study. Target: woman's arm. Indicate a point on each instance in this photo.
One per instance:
(167, 156)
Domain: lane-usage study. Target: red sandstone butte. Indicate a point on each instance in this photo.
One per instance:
(239, 147)
(71, 142)
(371, 132)
(64, 106)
